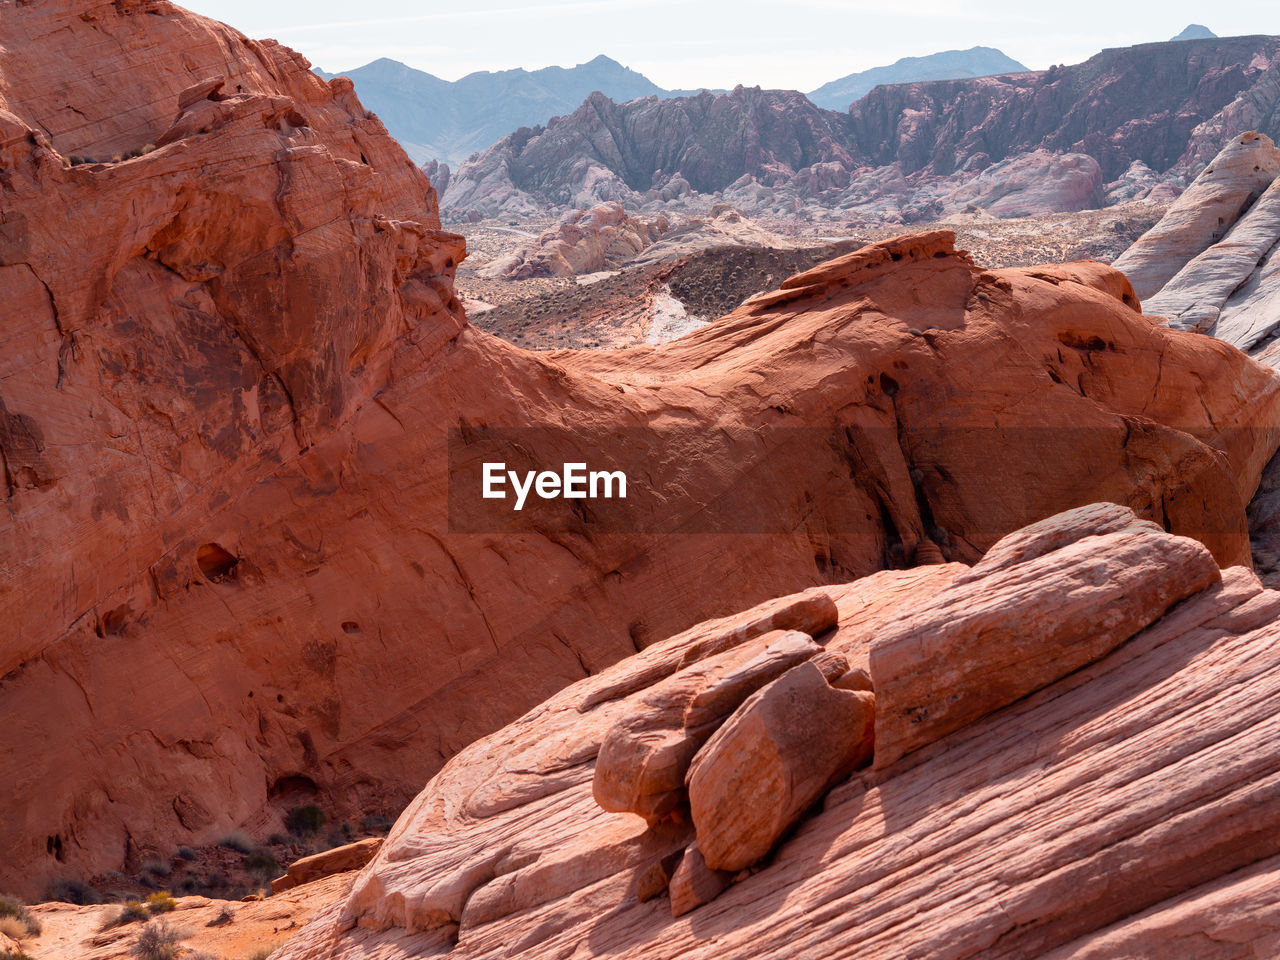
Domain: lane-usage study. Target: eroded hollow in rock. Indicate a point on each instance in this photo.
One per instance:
(293, 787)
(215, 562)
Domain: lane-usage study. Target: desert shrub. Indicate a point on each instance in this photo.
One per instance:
(186, 853)
(13, 928)
(161, 902)
(160, 868)
(225, 915)
(158, 941)
(132, 911)
(260, 863)
(279, 839)
(11, 908)
(262, 953)
(73, 891)
(305, 820)
(200, 955)
(237, 841)
(14, 955)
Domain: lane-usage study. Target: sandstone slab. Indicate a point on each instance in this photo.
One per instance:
(777, 754)
(992, 637)
(643, 760)
(349, 856)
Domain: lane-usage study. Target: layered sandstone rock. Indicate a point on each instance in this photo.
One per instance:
(1212, 264)
(584, 241)
(237, 390)
(645, 758)
(984, 642)
(1202, 250)
(1110, 807)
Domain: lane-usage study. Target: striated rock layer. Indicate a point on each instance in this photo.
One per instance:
(1212, 265)
(1120, 800)
(235, 375)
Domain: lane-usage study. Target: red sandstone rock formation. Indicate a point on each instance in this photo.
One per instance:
(233, 575)
(1117, 798)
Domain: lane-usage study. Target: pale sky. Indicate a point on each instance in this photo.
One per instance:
(794, 44)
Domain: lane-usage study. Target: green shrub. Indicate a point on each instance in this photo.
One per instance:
(305, 820)
(237, 841)
(161, 902)
(158, 941)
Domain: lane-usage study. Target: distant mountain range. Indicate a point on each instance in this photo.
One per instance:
(444, 120)
(437, 119)
(1115, 126)
(948, 65)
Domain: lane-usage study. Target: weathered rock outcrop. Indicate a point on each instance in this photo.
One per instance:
(584, 241)
(779, 752)
(987, 640)
(1032, 184)
(1212, 264)
(349, 856)
(238, 391)
(1110, 802)
(644, 759)
(658, 149)
(1209, 243)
